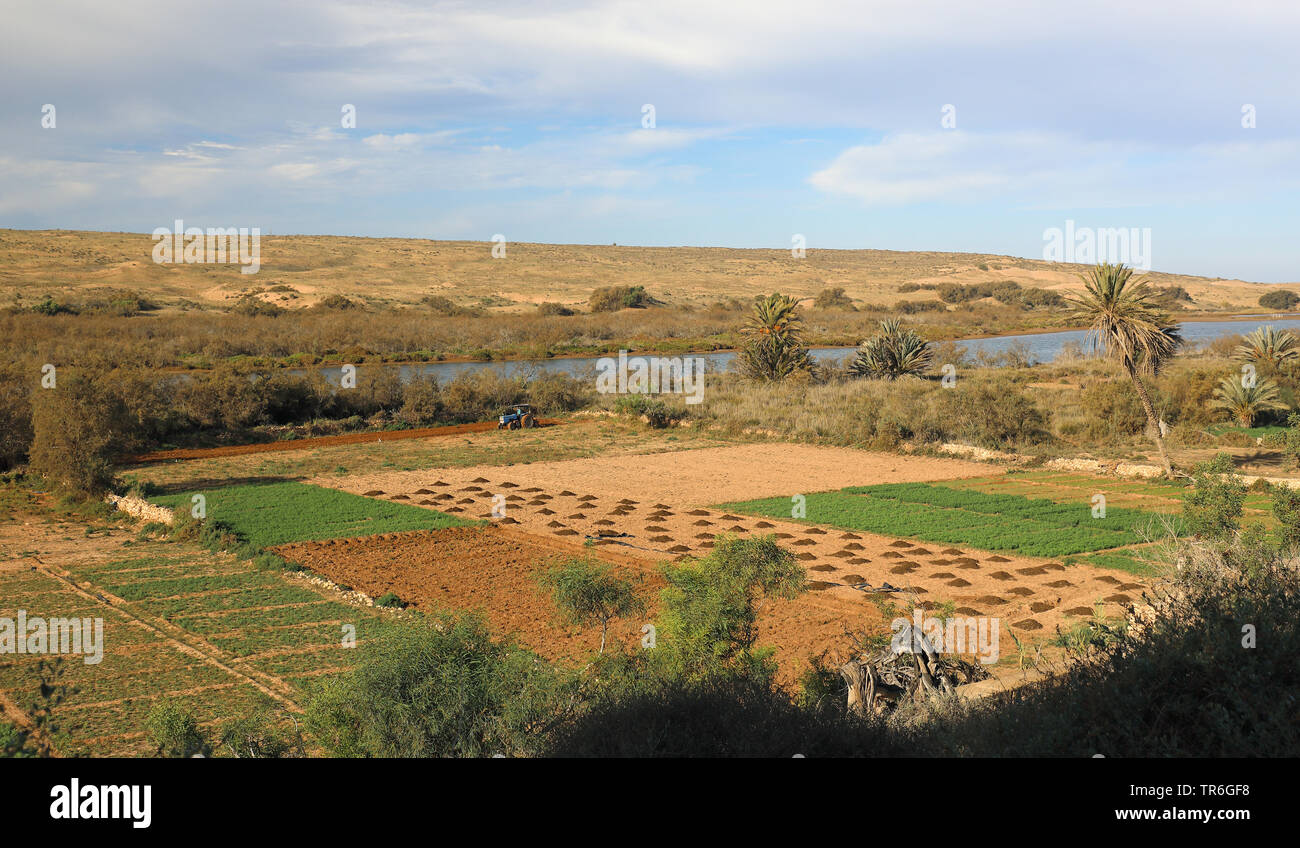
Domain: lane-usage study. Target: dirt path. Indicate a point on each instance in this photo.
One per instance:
(322, 442)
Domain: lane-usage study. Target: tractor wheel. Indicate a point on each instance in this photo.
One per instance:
(514, 425)
(529, 421)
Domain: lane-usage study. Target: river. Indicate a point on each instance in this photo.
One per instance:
(1040, 347)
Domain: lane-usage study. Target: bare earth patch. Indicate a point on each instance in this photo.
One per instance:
(697, 477)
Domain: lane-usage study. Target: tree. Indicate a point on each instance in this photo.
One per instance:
(1126, 323)
(1245, 403)
(775, 348)
(1269, 348)
(710, 606)
(588, 591)
(892, 353)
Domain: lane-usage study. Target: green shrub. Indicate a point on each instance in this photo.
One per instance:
(614, 298)
(1213, 509)
(437, 688)
(1280, 299)
(174, 731)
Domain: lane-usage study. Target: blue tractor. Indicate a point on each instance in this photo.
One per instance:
(519, 415)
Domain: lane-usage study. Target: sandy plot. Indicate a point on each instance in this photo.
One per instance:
(696, 477)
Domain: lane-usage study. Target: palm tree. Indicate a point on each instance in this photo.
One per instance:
(775, 348)
(1126, 324)
(1268, 347)
(891, 353)
(1244, 403)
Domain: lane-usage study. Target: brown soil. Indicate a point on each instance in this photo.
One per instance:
(324, 441)
(993, 585)
(493, 569)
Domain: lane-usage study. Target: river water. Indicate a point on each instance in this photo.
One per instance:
(1040, 347)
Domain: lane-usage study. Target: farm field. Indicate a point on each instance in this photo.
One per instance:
(698, 477)
(267, 514)
(204, 630)
(936, 513)
(620, 510)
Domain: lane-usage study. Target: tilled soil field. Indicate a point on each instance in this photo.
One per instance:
(493, 569)
(1031, 595)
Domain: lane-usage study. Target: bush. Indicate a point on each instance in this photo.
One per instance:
(78, 429)
(549, 308)
(421, 401)
(1281, 299)
(337, 302)
(174, 731)
(252, 305)
(390, 601)
(832, 299)
(992, 414)
(445, 306)
(1113, 410)
(614, 298)
(15, 416)
(437, 688)
(1212, 510)
(254, 736)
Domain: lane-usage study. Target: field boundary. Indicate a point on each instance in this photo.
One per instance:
(320, 442)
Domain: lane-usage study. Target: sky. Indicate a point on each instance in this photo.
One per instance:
(920, 125)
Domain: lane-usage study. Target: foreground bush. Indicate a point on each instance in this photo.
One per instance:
(438, 688)
(78, 429)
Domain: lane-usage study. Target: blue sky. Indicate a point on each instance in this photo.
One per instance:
(771, 119)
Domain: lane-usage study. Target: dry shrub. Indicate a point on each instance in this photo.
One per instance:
(79, 428)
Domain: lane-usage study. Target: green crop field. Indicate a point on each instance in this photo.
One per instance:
(257, 622)
(993, 522)
(268, 514)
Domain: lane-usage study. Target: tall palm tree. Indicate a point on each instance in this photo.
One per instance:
(775, 348)
(1126, 323)
(891, 353)
(1244, 403)
(1269, 348)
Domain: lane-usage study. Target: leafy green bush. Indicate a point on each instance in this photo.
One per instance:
(174, 731)
(1212, 510)
(436, 688)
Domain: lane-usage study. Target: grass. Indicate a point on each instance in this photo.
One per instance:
(993, 522)
(269, 514)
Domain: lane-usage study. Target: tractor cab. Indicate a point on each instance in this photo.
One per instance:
(519, 415)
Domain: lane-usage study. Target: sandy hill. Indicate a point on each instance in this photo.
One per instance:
(300, 270)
